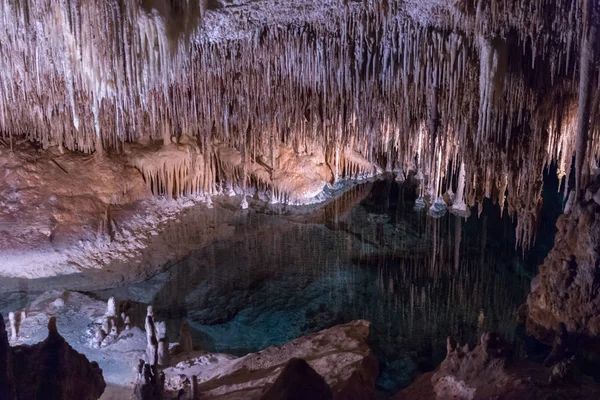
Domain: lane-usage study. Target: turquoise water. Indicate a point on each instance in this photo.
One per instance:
(369, 255)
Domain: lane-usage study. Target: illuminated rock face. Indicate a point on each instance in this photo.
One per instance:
(565, 290)
(340, 363)
(358, 86)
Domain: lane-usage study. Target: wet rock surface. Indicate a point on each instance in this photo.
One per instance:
(49, 370)
(340, 355)
(489, 371)
(566, 288)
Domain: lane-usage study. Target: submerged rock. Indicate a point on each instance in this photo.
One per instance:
(340, 355)
(489, 371)
(566, 287)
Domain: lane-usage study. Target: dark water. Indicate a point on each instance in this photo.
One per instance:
(279, 275)
(369, 255)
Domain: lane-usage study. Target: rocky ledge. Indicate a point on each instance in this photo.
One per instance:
(566, 290)
(49, 370)
(340, 355)
(489, 371)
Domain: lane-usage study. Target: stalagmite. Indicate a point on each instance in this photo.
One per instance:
(99, 337)
(52, 329)
(13, 327)
(162, 348)
(151, 342)
(163, 358)
(107, 324)
(127, 322)
(111, 308)
(150, 384)
(185, 338)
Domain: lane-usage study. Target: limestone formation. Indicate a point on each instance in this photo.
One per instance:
(152, 342)
(162, 352)
(185, 338)
(559, 347)
(150, 383)
(13, 327)
(340, 355)
(565, 289)
(127, 321)
(111, 308)
(490, 371)
(99, 336)
(333, 89)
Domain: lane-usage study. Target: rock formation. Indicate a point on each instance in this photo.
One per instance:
(13, 326)
(566, 287)
(162, 352)
(49, 370)
(331, 89)
(152, 342)
(489, 371)
(185, 338)
(150, 383)
(340, 355)
(7, 390)
(298, 381)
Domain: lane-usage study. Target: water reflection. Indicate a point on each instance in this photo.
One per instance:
(368, 255)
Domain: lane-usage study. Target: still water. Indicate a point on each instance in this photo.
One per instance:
(367, 255)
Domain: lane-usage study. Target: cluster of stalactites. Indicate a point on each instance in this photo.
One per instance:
(175, 169)
(74, 71)
(473, 90)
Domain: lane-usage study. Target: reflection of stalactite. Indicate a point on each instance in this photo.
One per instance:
(342, 205)
(450, 293)
(457, 240)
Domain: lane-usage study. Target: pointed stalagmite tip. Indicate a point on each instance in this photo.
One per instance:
(52, 325)
(450, 344)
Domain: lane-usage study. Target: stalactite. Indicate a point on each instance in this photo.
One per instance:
(365, 86)
(591, 31)
(459, 201)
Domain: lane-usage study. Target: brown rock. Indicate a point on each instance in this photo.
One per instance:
(566, 287)
(298, 381)
(488, 371)
(340, 355)
(53, 370)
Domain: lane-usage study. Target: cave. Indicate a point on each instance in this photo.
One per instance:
(299, 199)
